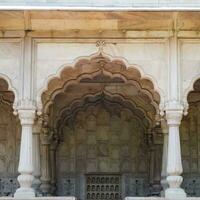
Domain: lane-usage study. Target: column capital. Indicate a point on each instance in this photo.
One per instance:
(174, 113)
(26, 117)
(174, 117)
(26, 111)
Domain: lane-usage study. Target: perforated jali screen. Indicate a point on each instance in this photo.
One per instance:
(103, 186)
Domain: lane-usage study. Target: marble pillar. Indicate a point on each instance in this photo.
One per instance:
(164, 182)
(45, 158)
(174, 163)
(26, 115)
(36, 157)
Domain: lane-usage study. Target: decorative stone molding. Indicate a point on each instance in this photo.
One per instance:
(100, 44)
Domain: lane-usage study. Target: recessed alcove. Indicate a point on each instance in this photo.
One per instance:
(10, 135)
(102, 112)
(190, 141)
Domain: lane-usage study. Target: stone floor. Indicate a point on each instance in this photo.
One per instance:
(73, 198)
(157, 198)
(40, 198)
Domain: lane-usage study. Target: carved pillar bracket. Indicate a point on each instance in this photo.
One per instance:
(36, 156)
(26, 112)
(46, 173)
(174, 112)
(165, 131)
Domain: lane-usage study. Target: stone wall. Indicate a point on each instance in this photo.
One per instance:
(102, 142)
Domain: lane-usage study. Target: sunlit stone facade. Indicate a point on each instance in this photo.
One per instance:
(99, 104)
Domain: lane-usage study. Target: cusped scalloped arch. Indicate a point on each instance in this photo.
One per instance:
(92, 64)
(91, 98)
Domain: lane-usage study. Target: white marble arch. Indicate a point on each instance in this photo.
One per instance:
(59, 71)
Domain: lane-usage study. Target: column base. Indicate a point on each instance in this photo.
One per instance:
(24, 193)
(175, 193)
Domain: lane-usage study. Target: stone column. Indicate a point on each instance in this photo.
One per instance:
(174, 164)
(36, 157)
(151, 159)
(164, 182)
(26, 114)
(53, 164)
(152, 166)
(46, 176)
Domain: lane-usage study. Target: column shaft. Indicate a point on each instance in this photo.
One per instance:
(46, 172)
(174, 164)
(26, 160)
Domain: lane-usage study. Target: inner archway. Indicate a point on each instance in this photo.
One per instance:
(10, 134)
(190, 141)
(104, 115)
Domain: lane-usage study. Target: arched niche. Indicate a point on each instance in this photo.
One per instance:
(10, 131)
(104, 139)
(119, 96)
(190, 141)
